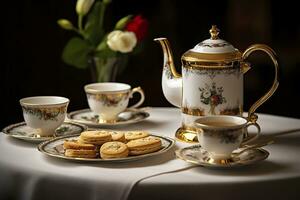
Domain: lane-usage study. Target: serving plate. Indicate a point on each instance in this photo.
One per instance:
(54, 148)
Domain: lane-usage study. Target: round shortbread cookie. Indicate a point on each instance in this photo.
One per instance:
(133, 135)
(144, 145)
(74, 144)
(118, 136)
(95, 137)
(76, 153)
(114, 150)
(144, 151)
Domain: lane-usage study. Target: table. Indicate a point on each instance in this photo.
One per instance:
(25, 173)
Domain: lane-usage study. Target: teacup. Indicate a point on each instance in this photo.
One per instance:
(222, 134)
(109, 99)
(44, 112)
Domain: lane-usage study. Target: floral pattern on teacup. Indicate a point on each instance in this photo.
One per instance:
(224, 135)
(45, 113)
(110, 100)
(231, 111)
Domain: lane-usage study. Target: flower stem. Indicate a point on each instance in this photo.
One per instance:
(80, 17)
(101, 17)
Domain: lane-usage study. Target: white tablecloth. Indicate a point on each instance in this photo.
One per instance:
(25, 173)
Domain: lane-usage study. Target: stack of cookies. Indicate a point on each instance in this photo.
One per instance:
(112, 144)
(79, 150)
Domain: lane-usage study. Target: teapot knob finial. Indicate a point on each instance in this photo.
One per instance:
(214, 32)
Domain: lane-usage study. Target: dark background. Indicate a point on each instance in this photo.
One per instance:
(32, 44)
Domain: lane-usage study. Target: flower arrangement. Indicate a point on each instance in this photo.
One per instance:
(104, 52)
(213, 96)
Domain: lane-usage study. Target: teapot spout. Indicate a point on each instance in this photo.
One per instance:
(168, 56)
(171, 79)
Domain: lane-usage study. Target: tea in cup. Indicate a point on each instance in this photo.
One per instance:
(109, 99)
(222, 134)
(44, 112)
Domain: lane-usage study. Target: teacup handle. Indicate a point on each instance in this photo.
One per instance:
(257, 134)
(271, 53)
(141, 91)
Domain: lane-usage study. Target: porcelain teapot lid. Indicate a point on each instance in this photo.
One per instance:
(213, 49)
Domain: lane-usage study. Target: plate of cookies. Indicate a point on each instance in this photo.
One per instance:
(107, 146)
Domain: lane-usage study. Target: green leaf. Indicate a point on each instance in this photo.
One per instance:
(103, 50)
(102, 45)
(76, 53)
(105, 53)
(93, 30)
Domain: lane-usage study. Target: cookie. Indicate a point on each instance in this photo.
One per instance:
(80, 153)
(113, 150)
(144, 145)
(74, 144)
(133, 135)
(78, 150)
(95, 137)
(118, 136)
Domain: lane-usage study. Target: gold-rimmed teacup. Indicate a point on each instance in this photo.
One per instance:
(109, 99)
(220, 135)
(45, 113)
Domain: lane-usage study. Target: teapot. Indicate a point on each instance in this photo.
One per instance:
(212, 81)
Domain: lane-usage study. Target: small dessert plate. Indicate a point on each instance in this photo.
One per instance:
(197, 155)
(54, 148)
(87, 117)
(24, 132)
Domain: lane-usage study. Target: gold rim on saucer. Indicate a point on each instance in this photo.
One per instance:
(23, 132)
(87, 117)
(197, 155)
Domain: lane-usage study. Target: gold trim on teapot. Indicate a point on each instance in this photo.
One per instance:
(212, 80)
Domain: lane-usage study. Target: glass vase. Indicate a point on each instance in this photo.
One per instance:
(106, 69)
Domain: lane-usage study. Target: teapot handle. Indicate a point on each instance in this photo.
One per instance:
(252, 117)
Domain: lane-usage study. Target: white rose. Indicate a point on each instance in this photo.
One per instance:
(83, 6)
(122, 41)
(206, 94)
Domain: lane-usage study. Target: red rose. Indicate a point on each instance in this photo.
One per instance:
(215, 99)
(139, 26)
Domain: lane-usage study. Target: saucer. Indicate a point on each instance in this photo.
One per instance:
(24, 132)
(87, 117)
(54, 148)
(197, 155)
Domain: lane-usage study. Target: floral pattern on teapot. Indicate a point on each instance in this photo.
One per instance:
(211, 64)
(212, 95)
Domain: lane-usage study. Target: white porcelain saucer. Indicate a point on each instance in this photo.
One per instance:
(24, 132)
(87, 117)
(197, 155)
